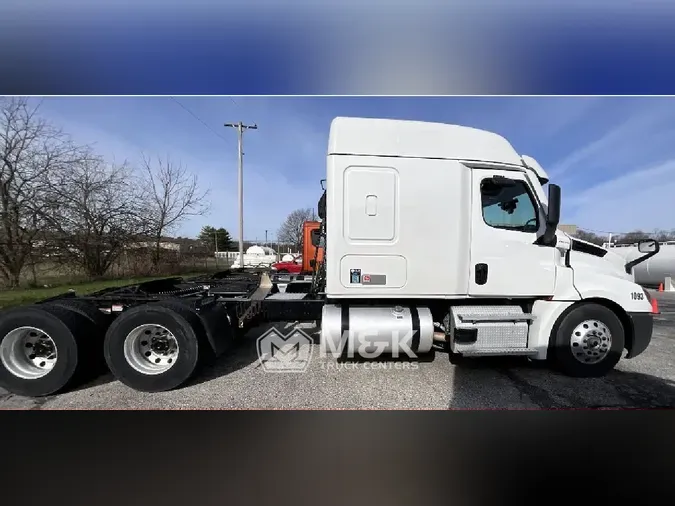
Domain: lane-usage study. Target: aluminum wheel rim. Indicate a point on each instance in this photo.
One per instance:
(151, 349)
(591, 341)
(28, 353)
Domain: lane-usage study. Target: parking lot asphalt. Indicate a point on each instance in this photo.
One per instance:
(238, 381)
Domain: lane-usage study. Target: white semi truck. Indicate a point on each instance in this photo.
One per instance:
(431, 232)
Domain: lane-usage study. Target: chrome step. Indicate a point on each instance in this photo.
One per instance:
(500, 351)
(525, 317)
(488, 330)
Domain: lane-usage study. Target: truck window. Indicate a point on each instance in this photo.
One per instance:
(508, 205)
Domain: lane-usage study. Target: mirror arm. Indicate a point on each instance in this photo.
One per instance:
(639, 260)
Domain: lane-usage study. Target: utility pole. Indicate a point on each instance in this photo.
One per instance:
(240, 179)
(265, 237)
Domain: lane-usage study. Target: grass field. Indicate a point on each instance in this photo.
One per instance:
(48, 279)
(10, 298)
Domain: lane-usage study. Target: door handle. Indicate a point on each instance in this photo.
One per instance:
(481, 274)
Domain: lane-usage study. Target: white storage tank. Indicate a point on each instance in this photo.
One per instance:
(654, 270)
(257, 256)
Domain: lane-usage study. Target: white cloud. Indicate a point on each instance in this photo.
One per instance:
(545, 117)
(631, 133)
(643, 199)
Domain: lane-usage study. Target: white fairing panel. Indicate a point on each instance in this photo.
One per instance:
(604, 285)
(503, 239)
(397, 227)
(533, 164)
(545, 313)
(370, 204)
(584, 262)
(417, 139)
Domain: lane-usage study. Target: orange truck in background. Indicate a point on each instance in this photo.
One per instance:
(308, 249)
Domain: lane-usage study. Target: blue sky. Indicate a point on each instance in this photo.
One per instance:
(613, 157)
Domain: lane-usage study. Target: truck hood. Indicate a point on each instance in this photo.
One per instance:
(586, 255)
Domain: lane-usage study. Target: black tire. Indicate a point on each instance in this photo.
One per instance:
(70, 331)
(561, 341)
(92, 347)
(177, 320)
(86, 309)
(206, 352)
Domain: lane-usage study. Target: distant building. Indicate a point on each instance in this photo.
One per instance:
(173, 246)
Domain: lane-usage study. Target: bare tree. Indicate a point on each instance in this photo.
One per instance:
(291, 229)
(94, 214)
(170, 194)
(664, 235)
(30, 151)
(632, 237)
(590, 237)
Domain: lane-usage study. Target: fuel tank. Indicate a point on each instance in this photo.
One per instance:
(374, 330)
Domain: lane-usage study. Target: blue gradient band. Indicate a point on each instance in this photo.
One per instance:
(367, 47)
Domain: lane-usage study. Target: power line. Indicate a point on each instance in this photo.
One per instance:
(617, 233)
(198, 119)
(599, 231)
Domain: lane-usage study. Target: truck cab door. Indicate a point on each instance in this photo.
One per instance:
(506, 219)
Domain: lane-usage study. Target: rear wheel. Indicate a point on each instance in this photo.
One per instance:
(153, 348)
(99, 322)
(588, 341)
(86, 309)
(43, 349)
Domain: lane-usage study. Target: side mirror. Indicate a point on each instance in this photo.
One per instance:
(321, 206)
(553, 215)
(315, 237)
(648, 246)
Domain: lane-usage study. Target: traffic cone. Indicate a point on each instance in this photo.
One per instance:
(660, 287)
(655, 306)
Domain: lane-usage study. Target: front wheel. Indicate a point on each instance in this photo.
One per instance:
(588, 341)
